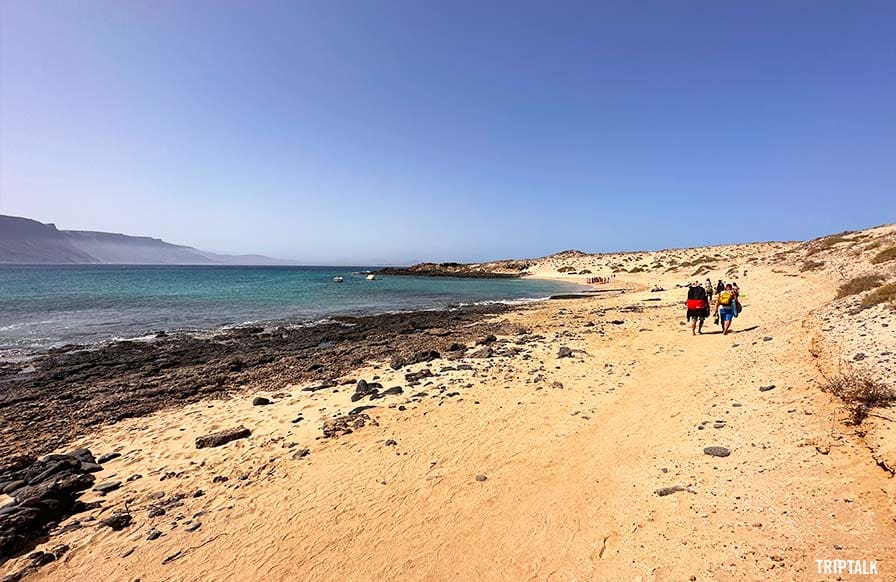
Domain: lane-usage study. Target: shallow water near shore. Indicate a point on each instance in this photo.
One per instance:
(47, 306)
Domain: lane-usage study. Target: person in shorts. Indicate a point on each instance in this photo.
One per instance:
(726, 307)
(698, 307)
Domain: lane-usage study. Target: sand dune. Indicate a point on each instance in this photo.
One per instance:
(534, 467)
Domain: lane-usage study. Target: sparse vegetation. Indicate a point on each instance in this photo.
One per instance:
(811, 265)
(827, 243)
(860, 393)
(566, 269)
(859, 285)
(703, 270)
(636, 270)
(884, 256)
(883, 294)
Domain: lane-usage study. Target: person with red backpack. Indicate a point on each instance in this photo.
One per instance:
(698, 307)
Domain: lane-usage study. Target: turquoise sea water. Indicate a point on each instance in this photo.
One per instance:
(43, 306)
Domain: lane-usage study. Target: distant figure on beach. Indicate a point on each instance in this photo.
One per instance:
(709, 289)
(720, 287)
(698, 307)
(726, 307)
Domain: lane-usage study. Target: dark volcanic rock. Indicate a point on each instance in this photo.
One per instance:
(414, 377)
(103, 459)
(117, 521)
(260, 401)
(73, 390)
(216, 439)
(104, 488)
(45, 492)
(716, 451)
(346, 424)
(564, 352)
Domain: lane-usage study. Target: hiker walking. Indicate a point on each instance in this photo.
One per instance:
(698, 307)
(726, 307)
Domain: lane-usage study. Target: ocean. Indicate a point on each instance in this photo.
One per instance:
(49, 306)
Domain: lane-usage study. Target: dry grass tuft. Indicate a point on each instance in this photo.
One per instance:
(883, 294)
(860, 393)
(859, 285)
(827, 243)
(884, 256)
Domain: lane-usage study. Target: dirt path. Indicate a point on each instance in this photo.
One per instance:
(570, 473)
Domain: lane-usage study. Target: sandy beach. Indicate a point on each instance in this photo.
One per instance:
(563, 440)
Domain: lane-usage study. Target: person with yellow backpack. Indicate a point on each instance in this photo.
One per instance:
(726, 307)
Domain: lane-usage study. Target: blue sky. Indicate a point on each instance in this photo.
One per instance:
(389, 132)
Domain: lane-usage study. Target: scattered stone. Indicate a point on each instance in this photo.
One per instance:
(117, 521)
(717, 451)
(153, 534)
(414, 377)
(346, 424)
(301, 453)
(858, 357)
(456, 347)
(483, 352)
(391, 443)
(664, 491)
(767, 338)
(216, 439)
(103, 459)
(108, 487)
(564, 352)
(260, 401)
(766, 388)
(192, 526)
(617, 322)
(557, 385)
(489, 339)
(481, 478)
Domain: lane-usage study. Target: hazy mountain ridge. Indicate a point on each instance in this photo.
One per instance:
(26, 241)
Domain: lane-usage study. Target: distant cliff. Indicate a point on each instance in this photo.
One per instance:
(27, 241)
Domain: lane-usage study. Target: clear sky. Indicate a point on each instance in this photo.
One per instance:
(371, 132)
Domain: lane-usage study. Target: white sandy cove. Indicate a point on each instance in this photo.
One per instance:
(571, 472)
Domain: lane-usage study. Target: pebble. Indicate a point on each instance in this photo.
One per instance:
(481, 478)
(104, 488)
(766, 388)
(716, 451)
(102, 459)
(153, 534)
(260, 401)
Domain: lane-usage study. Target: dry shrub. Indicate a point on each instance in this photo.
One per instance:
(883, 294)
(860, 393)
(811, 265)
(827, 243)
(884, 256)
(859, 285)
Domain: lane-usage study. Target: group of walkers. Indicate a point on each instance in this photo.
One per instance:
(727, 305)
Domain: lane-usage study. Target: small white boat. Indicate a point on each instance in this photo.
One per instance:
(371, 277)
(338, 279)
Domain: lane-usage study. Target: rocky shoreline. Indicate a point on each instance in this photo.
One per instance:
(72, 391)
(502, 270)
